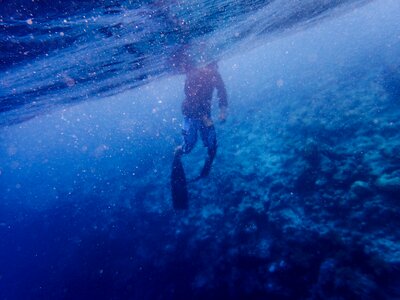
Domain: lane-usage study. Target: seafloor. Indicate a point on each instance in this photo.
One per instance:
(302, 203)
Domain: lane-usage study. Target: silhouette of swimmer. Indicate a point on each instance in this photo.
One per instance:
(196, 108)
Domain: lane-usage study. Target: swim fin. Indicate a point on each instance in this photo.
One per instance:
(178, 185)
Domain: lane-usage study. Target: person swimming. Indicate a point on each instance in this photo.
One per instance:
(201, 81)
(199, 87)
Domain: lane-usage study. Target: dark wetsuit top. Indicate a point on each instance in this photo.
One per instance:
(199, 88)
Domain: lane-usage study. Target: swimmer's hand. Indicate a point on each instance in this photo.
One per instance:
(222, 114)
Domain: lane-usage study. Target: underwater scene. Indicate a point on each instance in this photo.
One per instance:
(188, 149)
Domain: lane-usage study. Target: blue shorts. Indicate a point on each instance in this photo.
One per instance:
(207, 133)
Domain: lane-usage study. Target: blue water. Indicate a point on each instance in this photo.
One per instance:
(302, 200)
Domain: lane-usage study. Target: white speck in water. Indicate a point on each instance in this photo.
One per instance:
(280, 83)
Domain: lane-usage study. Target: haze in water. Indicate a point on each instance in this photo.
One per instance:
(302, 201)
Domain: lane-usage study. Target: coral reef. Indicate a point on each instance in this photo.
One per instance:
(301, 203)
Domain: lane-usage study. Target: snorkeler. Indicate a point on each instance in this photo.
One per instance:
(196, 108)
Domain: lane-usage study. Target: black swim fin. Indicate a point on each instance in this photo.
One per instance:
(179, 191)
